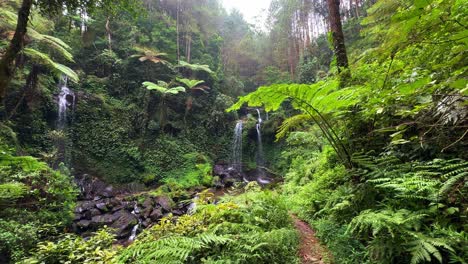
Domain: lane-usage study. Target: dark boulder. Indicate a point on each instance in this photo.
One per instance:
(165, 202)
(102, 220)
(124, 223)
(102, 206)
(156, 214)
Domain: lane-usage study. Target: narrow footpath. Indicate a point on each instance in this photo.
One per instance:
(310, 250)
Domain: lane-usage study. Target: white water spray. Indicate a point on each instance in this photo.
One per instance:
(66, 103)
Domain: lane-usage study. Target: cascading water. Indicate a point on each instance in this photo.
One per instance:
(236, 161)
(66, 106)
(66, 102)
(260, 154)
(135, 212)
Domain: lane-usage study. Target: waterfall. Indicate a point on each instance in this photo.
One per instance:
(66, 102)
(260, 121)
(236, 161)
(260, 154)
(135, 212)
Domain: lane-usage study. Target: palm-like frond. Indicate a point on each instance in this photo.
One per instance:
(45, 60)
(324, 97)
(7, 20)
(176, 90)
(148, 54)
(158, 87)
(190, 83)
(55, 43)
(290, 124)
(162, 87)
(195, 67)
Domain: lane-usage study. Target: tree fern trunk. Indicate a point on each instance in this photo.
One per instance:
(7, 67)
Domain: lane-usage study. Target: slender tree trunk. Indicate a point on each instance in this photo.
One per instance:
(109, 33)
(7, 67)
(356, 7)
(337, 34)
(189, 47)
(178, 32)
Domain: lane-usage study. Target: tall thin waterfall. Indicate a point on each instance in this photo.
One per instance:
(236, 161)
(260, 154)
(66, 102)
(66, 106)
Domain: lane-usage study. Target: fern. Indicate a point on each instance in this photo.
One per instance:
(290, 124)
(423, 248)
(45, 60)
(172, 249)
(195, 67)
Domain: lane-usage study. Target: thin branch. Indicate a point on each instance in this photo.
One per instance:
(454, 143)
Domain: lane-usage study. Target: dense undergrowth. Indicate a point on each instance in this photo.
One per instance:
(373, 156)
(253, 227)
(36, 202)
(377, 155)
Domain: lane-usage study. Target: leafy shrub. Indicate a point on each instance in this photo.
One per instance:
(251, 228)
(75, 249)
(35, 201)
(195, 170)
(345, 248)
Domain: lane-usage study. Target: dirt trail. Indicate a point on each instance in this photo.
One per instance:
(310, 250)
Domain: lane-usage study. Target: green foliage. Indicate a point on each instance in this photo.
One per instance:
(194, 170)
(74, 249)
(251, 228)
(34, 202)
(346, 249)
(163, 88)
(195, 67)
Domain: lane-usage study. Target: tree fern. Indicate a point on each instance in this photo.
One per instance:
(321, 101)
(45, 60)
(195, 67)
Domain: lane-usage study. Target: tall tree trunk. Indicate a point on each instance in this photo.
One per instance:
(109, 33)
(178, 32)
(337, 34)
(7, 67)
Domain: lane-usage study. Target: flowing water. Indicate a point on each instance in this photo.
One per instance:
(66, 103)
(260, 153)
(236, 161)
(135, 212)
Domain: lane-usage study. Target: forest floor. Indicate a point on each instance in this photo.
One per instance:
(310, 250)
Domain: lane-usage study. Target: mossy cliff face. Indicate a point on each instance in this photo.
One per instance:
(122, 142)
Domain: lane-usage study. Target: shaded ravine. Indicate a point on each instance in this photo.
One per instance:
(310, 250)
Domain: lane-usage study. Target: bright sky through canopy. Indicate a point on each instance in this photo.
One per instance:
(253, 10)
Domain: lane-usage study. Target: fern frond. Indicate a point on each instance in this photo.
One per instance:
(290, 124)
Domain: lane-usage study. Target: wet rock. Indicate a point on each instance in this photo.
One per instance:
(178, 212)
(124, 223)
(147, 203)
(77, 217)
(82, 224)
(146, 212)
(101, 220)
(102, 207)
(147, 223)
(165, 202)
(86, 205)
(94, 212)
(227, 175)
(156, 214)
